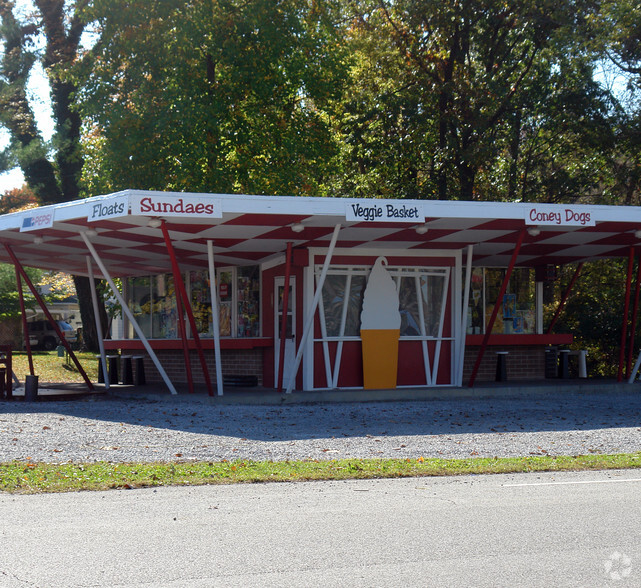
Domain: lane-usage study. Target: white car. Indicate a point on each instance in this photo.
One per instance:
(43, 336)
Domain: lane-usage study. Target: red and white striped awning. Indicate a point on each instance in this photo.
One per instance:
(251, 229)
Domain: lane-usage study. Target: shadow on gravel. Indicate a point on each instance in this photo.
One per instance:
(565, 412)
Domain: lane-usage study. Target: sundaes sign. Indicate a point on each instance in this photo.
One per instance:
(559, 215)
(193, 206)
(383, 211)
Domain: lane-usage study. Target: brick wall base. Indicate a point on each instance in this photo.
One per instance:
(244, 362)
(525, 362)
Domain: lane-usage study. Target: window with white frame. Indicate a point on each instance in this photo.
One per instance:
(152, 300)
(422, 294)
(517, 308)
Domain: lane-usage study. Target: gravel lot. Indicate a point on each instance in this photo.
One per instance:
(119, 430)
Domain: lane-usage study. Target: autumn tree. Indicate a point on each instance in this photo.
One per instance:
(18, 199)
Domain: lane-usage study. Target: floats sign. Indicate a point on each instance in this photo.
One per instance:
(559, 215)
(386, 211)
(185, 206)
(109, 208)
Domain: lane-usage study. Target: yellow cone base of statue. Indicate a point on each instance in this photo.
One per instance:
(380, 358)
(380, 329)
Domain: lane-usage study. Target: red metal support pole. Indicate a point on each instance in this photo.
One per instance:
(635, 313)
(178, 282)
(51, 320)
(181, 317)
(183, 337)
(565, 296)
(488, 328)
(283, 322)
(25, 328)
(626, 311)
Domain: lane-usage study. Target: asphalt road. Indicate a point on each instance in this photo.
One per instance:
(566, 529)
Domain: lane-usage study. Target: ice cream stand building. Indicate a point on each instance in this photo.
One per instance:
(298, 293)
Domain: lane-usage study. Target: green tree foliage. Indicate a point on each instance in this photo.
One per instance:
(9, 301)
(615, 38)
(557, 145)
(446, 93)
(211, 96)
(594, 312)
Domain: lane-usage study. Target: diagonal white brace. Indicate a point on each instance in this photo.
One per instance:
(130, 316)
(96, 314)
(215, 317)
(309, 322)
(463, 329)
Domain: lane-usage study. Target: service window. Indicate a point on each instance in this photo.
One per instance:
(152, 300)
(517, 311)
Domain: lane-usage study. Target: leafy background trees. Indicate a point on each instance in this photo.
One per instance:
(211, 96)
(470, 100)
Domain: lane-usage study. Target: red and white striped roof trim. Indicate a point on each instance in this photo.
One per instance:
(254, 229)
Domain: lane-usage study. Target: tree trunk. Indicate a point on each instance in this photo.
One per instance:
(89, 331)
(467, 177)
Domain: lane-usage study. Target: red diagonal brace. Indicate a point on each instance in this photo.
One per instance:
(626, 314)
(25, 328)
(488, 329)
(51, 320)
(183, 335)
(635, 313)
(565, 296)
(178, 282)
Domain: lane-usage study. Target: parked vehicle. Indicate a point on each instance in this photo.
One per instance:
(43, 336)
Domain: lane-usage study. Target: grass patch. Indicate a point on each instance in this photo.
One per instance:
(51, 368)
(29, 477)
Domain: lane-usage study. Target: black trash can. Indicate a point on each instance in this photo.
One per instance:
(550, 363)
(31, 388)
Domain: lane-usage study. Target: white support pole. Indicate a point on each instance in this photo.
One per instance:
(328, 367)
(538, 301)
(341, 332)
(215, 317)
(421, 318)
(449, 276)
(96, 314)
(309, 323)
(633, 374)
(466, 302)
(129, 314)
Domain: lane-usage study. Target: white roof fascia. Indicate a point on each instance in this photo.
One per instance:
(336, 207)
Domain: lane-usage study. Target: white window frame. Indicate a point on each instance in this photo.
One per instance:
(332, 372)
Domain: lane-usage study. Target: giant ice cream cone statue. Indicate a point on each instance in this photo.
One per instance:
(380, 329)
